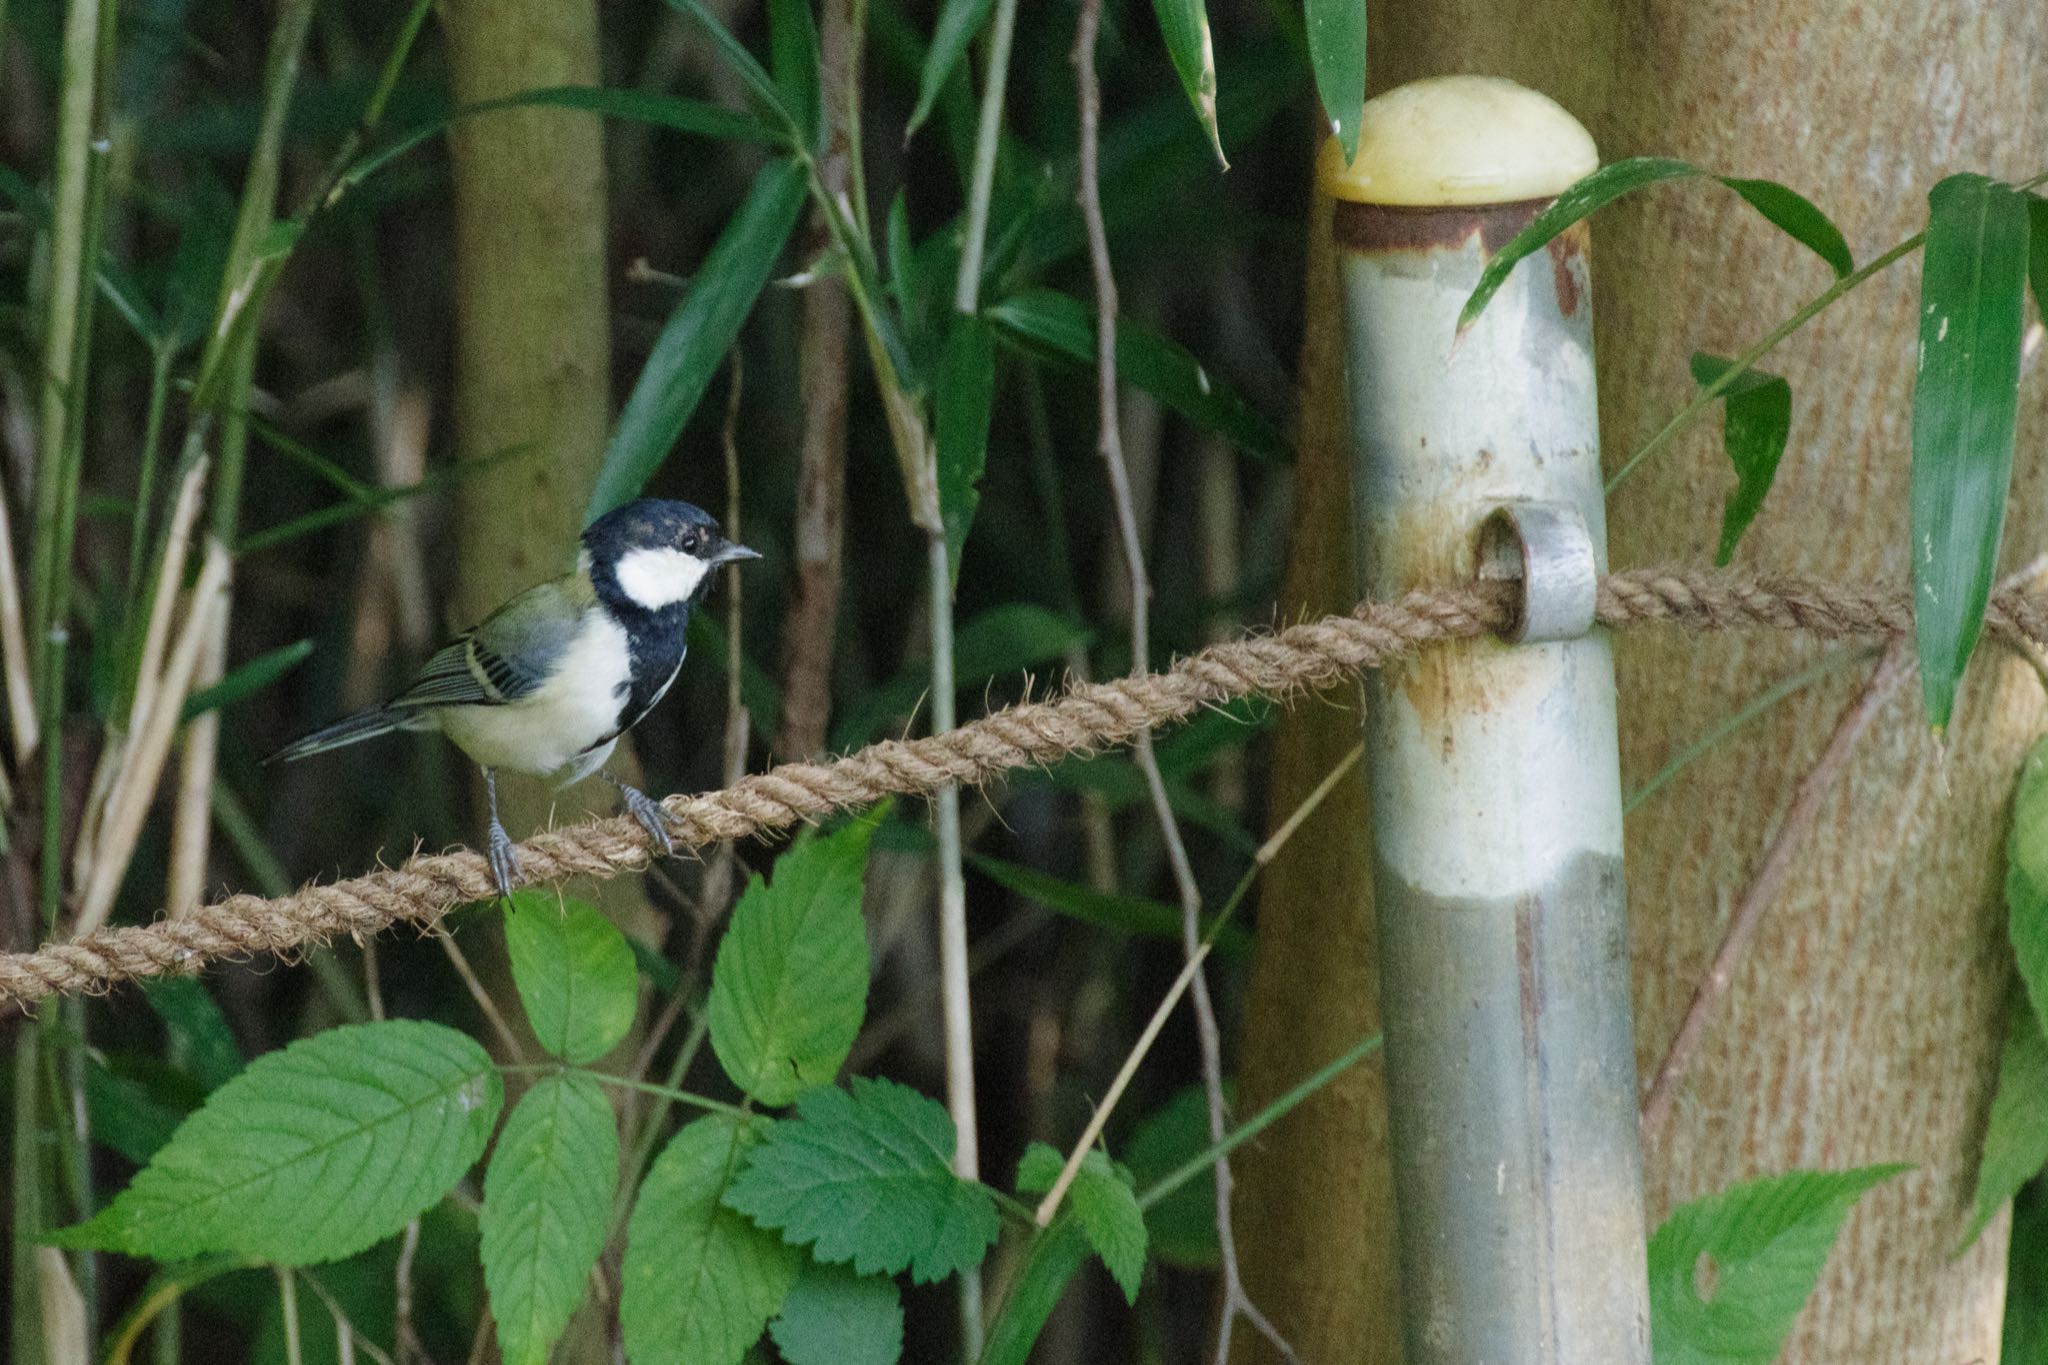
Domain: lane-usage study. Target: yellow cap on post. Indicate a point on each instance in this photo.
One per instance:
(1459, 140)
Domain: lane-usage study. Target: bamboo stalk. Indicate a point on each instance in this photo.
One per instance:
(14, 655)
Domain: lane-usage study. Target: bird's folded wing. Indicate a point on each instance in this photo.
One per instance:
(506, 658)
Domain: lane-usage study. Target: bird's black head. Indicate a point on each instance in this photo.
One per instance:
(654, 555)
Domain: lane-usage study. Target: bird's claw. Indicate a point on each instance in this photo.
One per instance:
(651, 817)
(504, 860)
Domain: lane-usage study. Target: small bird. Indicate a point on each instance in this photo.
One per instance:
(549, 681)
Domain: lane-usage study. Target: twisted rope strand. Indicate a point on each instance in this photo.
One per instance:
(1302, 658)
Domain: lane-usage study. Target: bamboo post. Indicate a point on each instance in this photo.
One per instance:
(1493, 764)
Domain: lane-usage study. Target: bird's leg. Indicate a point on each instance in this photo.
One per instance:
(648, 812)
(504, 861)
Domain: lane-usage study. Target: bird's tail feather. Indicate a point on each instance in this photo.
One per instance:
(362, 725)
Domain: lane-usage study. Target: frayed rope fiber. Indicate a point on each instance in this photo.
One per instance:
(1303, 658)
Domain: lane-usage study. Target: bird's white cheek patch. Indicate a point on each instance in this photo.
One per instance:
(659, 578)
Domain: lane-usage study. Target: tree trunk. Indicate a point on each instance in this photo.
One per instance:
(1863, 1025)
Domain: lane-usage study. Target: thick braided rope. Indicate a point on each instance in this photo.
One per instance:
(1302, 658)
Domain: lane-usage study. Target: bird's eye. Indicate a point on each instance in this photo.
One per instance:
(689, 542)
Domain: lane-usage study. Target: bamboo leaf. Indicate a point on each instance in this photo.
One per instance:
(193, 1018)
(699, 332)
(1050, 1261)
(1336, 49)
(1965, 405)
(958, 23)
(793, 55)
(1123, 914)
(1788, 210)
(1728, 1273)
(1756, 420)
(966, 390)
(1185, 26)
(251, 677)
(1048, 321)
(2037, 252)
(731, 51)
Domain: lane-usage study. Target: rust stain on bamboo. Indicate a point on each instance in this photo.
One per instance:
(1381, 228)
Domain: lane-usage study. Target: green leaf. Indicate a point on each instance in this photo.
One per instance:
(1336, 49)
(1965, 404)
(835, 1317)
(2037, 252)
(125, 1115)
(547, 1201)
(1182, 1226)
(789, 988)
(731, 51)
(793, 56)
(197, 1025)
(575, 974)
(312, 1153)
(2026, 882)
(2016, 1141)
(958, 23)
(966, 389)
(698, 333)
(2024, 1340)
(1063, 326)
(699, 1282)
(1003, 640)
(1123, 914)
(1786, 209)
(1756, 1251)
(1055, 1254)
(1185, 26)
(1755, 423)
(1104, 1203)
(251, 677)
(867, 1177)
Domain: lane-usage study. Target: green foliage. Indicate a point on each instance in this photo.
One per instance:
(1124, 914)
(967, 374)
(2016, 1141)
(1336, 49)
(1786, 209)
(1756, 420)
(793, 57)
(2024, 1340)
(574, 972)
(1965, 406)
(2026, 881)
(1054, 1256)
(1729, 1272)
(247, 679)
(201, 1030)
(1185, 26)
(1001, 641)
(1181, 1228)
(547, 1203)
(312, 1153)
(835, 1317)
(789, 989)
(867, 1177)
(958, 22)
(1103, 1202)
(2037, 251)
(1049, 322)
(698, 334)
(699, 1282)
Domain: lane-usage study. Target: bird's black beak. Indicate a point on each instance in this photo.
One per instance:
(734, 553)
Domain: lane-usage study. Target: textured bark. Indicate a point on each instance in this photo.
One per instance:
(1314, 1199)
(1864, 1025)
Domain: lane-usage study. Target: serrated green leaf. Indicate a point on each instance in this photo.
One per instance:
(1755, 423)
(1049, 1266)
(1336, 49)
(1786, 209)
(700, 331)
(958, 23)
(2026, 881)
(2016, 1141)
(1038, 1167)
(547, 1201)
(196, 1025)
(574, 972)
(966, 389)
(789, 988)
(1758, 1248)
(1050, 322)
(835, 1317)
(312, 1153)
(1965, 406)
(699, 1282)
(1182, 1226)
(1184, 24)
(867, 1176)
(1109, 1214)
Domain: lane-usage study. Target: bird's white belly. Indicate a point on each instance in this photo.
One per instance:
(549, 729)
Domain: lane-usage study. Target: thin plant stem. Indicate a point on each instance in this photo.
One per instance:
(506, 1037)
(987, 140)
(288, 1303)
(1109, 444)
